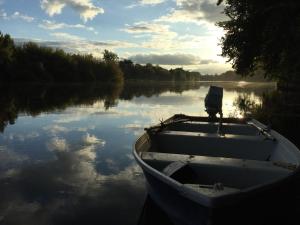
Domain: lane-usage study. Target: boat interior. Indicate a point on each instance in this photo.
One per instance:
(216, 159)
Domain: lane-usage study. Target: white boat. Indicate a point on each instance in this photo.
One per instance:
(195, 166)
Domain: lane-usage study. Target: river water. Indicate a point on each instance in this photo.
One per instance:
(66, 152)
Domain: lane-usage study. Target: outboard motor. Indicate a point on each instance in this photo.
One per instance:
(213, 101)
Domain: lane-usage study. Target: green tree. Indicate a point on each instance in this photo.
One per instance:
(109, 56)
(262, 34)
(7, 51)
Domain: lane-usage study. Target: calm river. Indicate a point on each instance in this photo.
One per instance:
(66, 152)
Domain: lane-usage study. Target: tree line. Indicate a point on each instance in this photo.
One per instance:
(257, 76)
(134, 71)
(30, 62)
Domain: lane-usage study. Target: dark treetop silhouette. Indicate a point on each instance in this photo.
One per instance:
(263, 34)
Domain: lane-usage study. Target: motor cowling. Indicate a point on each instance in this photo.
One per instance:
(213, 101)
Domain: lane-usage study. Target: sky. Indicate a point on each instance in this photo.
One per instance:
(171, 33)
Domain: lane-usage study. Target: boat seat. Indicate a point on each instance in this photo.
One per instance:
(211, 144)
(173, 167)
(207, 170)
(208, 127)
(166, 159)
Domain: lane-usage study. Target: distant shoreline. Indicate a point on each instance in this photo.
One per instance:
(127, 82)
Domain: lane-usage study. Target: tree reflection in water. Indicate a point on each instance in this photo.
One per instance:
(279, 109)
(35, 99)
(57, 178)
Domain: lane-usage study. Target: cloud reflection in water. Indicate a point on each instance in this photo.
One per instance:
(68, 190)
(75, 165)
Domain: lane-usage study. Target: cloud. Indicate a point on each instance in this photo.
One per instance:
(85, 129)
(92, 140)
(86, 9)
(145, 3)
(15, 16)
(146, 27)
(132, 126)
(78, 45)
(52, 25)
(136, 128)
(66, 36)
(151, 2)
(215, 68)
(55, 129)
(10, 158)
(18, 15)
(170, 59)
(72, 191)
(90, 146)
(196, 11)
(160, 35)
(58, 144)
(21, 137)
(88, 153)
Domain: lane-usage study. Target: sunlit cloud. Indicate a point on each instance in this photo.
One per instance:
(58, 144)
(85, 129)
(88, 153)
(92, 139)
(195, 11)
(55, 129)
(68, 119)
(136, 128)
(151, 2)
(79, 45)
(132, 126)
(52, 25)
(212, 68)
(15, 15)
(86, 9)
(66, 36)
(147, 27)
(170, 59)
(201, 51)
(161, 38)
(145, 3)
(90, 146)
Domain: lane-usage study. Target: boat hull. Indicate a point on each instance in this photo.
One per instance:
(257, 207)
(176, 206)
(273, 199)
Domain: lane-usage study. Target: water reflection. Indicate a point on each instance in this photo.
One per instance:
(66, 157)
(69, 190)
(34, 100)
(278, 109)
